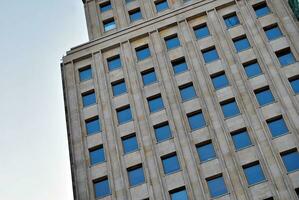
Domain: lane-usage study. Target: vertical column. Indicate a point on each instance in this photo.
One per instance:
(120, 13)
(149, 10)
(92, 20)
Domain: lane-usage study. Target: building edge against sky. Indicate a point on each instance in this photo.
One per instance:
(185, 99)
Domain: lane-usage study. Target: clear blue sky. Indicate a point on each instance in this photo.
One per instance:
(34, 35)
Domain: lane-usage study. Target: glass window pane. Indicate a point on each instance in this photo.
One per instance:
(220, 81)
(201, 31)
(102, 188)
(161, 5)
(196, 121)
(179, 65)
(105, 6)
(149, 77)
(241, 44)
(109, 25)
(119, 88)
(162, 132)
(278, 127)
(261, 10)
(264, 97)
(89, 99)
(143, 53)
(130, 144)
(273, 32)
(85, 74)
(172, 42)
(93, 126)
(179, 195)
(231, 20)
(254, 174)
(170, 164)
(97, 155)
(291, 161)
(187, 92)
(114, 63)
(241, 140)
(217, 187)
(252, 69)
(210, 55)
(124, 115)
(286, 57)
(155, 104)
(230, 109)
(295, 85)
(135, 15)
(136, 176)
(206, 152)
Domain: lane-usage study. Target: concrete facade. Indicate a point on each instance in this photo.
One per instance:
(180, 19)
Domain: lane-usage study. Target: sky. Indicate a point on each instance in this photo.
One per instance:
(34, 158)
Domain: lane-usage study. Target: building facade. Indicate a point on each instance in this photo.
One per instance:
(177, 99)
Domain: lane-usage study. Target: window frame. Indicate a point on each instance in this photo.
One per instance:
(93, 149)
(168, 156)
(81, 70)
(173, 37)
(277, 118)
(126, 107)
(260, 91)
(131, 169)
(160, 125)
(99, 180)
(142, 48)
(118, 83)
(185, 86)
(126, 137)
(207, 143)
(108, 21)
(215, 177)
(241, 131)
(230, 101)
(154, 98)
(250, 166)
(202, 116)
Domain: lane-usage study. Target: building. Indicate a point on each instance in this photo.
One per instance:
(174, 99)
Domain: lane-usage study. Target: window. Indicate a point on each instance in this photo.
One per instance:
(297, 192)
(172, 41)
(97, 155)
(136, 175)
(85, 73)
(241, 43)
(187, 92)
(285, 57)
(114, 63)
(170, 163)
(109, 24)
(210, 55)
(105, 6)
(291, 160)
(252, 69)
(179, 65)
(264, 96)
(124, 115)
(261, 9)
(101, 188)
(231, 20)
(217, 186)
(277, 126)
(273, 32)
(295, 84)
(270, 198)
(241, 139)
(230, 108)
(128, 1)
(119, 87)
(93, 125)
(142, 52)
(162, 132)
(149, 77)
(254, 173)
(196, 120)
(89, 98)
(201, 31)
(219, 80)
(161, 5)
(155, 103)
(135, 15)
(130, 143)
(206, 151)
(179, 194)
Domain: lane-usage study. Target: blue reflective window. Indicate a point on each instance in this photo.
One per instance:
(206, 152)
(230, 109)
(196, 121)
(241, 44)
(179, 65)
(93, 126)
(85, 73)
(172, 42)
(252, 69)
(142, 52)
(170, 164)
(291, 161)
(119, 88)
(261, 9)
(231, 20)
(201, 31)
(124, 115)
(135, 15)
(97, 155)
(109, 24)
(114, 63)
(187, 92)
(155, 104)
(130, 143)
(89, 98)
(217, 186)
(105, 6)
(102, 188)
(273, 32)
(295, 85)
(162, 132)
(180, 194)
(210, 55)
(136, 176)
(254, 173)
(285, 57)
(277, 127)
(149, 77)
(264, 96)
(161, 5)
(241, 139)
(220, 81)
